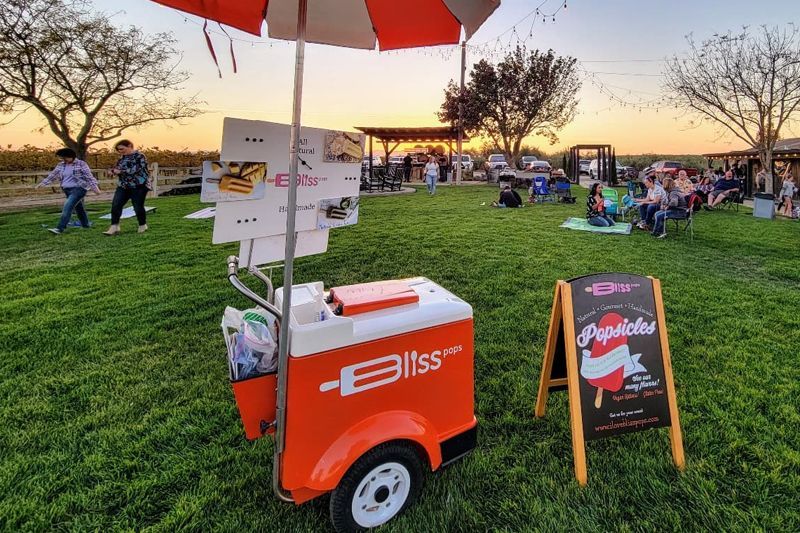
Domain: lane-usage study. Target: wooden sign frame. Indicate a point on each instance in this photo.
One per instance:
(562, 329)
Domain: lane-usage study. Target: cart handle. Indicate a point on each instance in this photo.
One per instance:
(233, 267)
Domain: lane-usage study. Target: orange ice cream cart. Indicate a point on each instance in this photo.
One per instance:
(379, 386)
(374, 381)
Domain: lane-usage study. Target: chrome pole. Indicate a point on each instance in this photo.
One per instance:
(461, 110)
(288, 264)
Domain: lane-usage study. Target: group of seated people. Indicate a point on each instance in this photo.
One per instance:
(672, 196)
(664, 200)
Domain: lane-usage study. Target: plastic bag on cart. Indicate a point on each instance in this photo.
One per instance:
(250, 339)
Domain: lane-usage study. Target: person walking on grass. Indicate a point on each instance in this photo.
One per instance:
(76, 180)
(596, 208)
(133, 184)
(788, 188)
(431, 174)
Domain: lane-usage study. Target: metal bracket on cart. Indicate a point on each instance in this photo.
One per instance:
(233, 277)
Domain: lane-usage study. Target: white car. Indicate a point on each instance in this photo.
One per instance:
(376, 161)
(497, 162)
(583, 166)
(466, 161)
(396, 160)
(622, 170)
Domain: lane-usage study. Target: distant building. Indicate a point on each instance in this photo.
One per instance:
(787, 153)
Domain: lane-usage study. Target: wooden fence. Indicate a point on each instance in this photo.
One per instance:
(17, 189)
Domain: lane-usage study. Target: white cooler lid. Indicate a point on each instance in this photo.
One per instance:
(436, 306)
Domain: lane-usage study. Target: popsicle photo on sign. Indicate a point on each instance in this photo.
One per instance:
(342, 147)
(609, 361)
(337, 212)
(227, 181)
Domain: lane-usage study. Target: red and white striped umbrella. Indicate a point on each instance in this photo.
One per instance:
(351, 23)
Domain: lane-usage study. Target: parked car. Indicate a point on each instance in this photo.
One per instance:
(396, 160)
(583, 166)
(622, 170)
(466, 161)
(626, 172)
(376, 161)
(526, 160)
(671, 168)
(539, 166)
(497, 162)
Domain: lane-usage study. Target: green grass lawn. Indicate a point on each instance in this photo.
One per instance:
(116, 411)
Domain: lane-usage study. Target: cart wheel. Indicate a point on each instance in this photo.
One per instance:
(378, 487)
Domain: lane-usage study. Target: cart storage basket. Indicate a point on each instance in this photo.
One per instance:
(256, 395)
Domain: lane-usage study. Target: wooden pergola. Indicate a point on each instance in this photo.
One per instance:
(391, 138)
(606, 162)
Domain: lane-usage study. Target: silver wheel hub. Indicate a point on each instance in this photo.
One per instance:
(381, 494)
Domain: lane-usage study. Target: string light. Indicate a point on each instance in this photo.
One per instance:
(495, 49)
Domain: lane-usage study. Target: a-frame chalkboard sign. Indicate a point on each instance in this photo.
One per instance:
(607, 345)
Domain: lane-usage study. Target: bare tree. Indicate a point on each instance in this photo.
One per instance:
(748, 85)
(88, 79)
(526, 93)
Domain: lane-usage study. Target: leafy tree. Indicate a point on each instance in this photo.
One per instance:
(748, 85)
(526, 93)
(88, 79)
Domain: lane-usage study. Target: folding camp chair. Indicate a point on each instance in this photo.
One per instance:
(627, 205)
(612, 207)
(733, 200)
(564, 192)
(541, 191)
(688, 223)
(631, 188)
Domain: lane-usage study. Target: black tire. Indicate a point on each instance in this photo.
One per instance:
(391, 452)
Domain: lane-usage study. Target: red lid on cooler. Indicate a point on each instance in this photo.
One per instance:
(365, 297)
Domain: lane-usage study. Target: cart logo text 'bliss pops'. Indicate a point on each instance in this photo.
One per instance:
(384, 370)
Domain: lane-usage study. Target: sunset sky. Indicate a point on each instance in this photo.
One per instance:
(623, 41)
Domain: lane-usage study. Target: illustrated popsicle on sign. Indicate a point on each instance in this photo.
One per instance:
(613, 380)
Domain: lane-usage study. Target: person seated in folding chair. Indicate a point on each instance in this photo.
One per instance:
(650, 204)
(596, 208)
(673, 205)
(508, 198)
(723, 189)
(704, 188)
(684, 184)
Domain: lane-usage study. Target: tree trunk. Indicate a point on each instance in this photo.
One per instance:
(80, 147)
(766, 163)
(81, 150)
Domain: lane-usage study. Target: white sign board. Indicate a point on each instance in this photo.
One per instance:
(255, 252)
(330, 167)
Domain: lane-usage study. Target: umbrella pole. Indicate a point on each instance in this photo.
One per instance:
(288, 263)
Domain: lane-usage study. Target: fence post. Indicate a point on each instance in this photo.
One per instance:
(154, 180)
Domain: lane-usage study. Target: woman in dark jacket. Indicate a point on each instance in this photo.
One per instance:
(133, 184)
